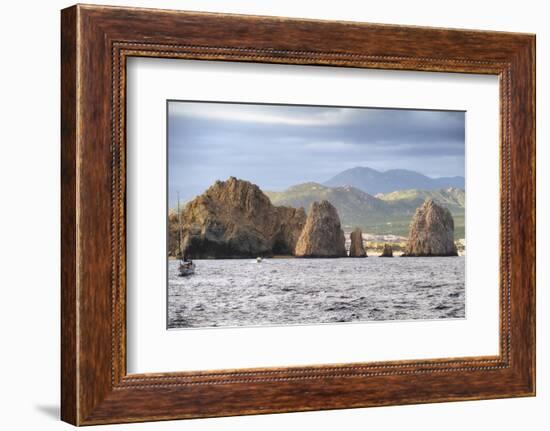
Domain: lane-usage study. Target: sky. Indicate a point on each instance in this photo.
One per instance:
(278, 146)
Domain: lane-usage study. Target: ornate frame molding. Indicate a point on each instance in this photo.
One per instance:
(96, 41)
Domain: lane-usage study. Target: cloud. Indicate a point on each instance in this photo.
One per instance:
(277, 146)
(256, 114)
(331, 146)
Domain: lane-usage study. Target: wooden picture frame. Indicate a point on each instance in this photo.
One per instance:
(95, 43)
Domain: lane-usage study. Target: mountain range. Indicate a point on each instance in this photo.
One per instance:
(378, 202)
(385, 213)
(372, 181)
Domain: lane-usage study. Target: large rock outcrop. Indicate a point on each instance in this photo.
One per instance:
(235, 219)
(431, 232)
(322, 235)
(356, 248)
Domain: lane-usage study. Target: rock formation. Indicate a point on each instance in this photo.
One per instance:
(322, 235)
(387, 251)
(356, 248)
(235, 219)
(431, 232)
(173, 234)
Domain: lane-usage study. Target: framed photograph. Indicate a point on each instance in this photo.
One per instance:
(263, 214)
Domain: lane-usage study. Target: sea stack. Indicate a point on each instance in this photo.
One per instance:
(356, 248)
(387, 251)
(322, 235)
(235, 219)
(431, 232)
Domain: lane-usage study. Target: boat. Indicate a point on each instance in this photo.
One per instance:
(186, 268)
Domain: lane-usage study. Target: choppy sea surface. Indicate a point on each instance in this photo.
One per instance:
(313, 291)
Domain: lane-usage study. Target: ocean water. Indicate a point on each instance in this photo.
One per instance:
(313, 291)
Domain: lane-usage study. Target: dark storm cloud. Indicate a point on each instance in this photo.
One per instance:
(278, 146)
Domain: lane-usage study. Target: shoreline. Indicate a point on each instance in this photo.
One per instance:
(282, 257)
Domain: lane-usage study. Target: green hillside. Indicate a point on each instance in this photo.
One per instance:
(452, 198)
(388, 213)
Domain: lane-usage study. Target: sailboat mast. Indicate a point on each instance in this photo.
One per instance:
(179, 226)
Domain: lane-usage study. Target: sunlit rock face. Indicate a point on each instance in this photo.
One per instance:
(322, 235)
(431, 232)
(235, 219)
(357, 248)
